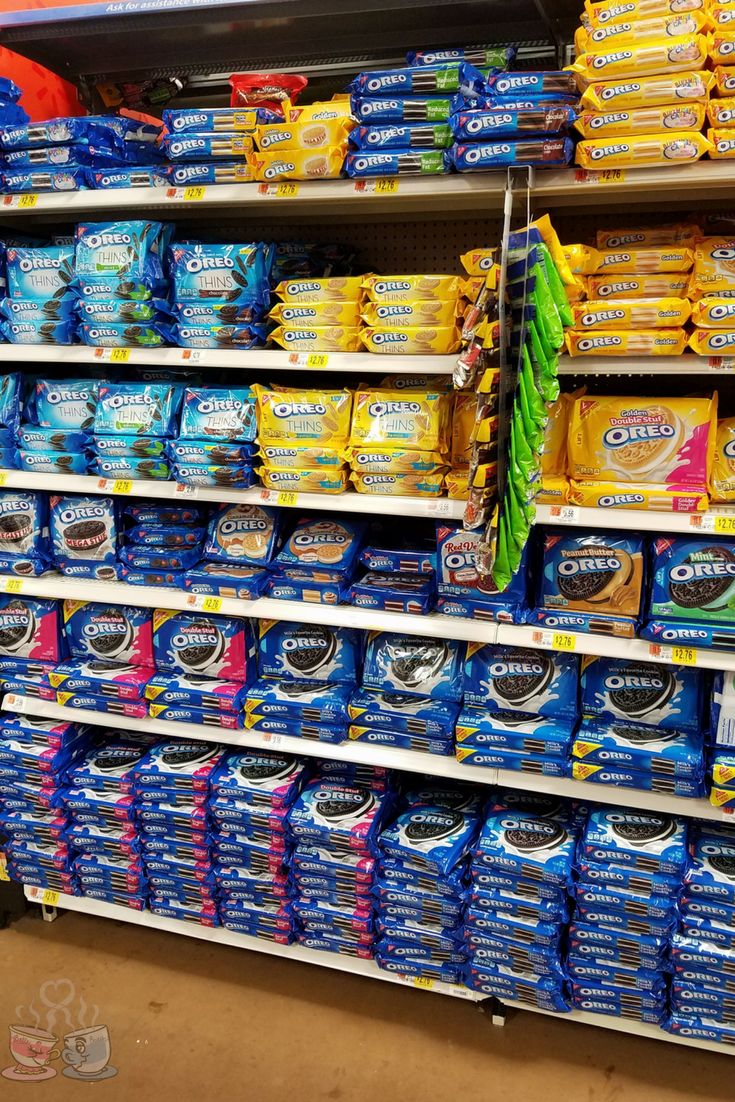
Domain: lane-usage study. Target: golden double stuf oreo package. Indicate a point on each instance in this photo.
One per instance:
(412, 341)
(722, 482)
(714, 266)
(392, 418)
(410, 288)
(293, 417)
(653, 496)
(642, 440)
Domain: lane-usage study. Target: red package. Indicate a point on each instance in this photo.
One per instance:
(269, 90)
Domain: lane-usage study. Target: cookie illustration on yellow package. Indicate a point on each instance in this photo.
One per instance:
(723, 143)
(714, 267)
(401, 484)
(647, 313)
(648, 59)
(620, 95)
(296, 164)
(629, 285)
(412, 341)
(640, 120)
(613, 33)
(404, 315)
(650, 495)
(639, 151)
(639, 440)
(317, 314)
(304, 292)
(320, 338)
(289, 416)
(324, 481)
(599, 14)
(391, 417)
(410, 288)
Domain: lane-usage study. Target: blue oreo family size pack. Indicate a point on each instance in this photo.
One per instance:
(652, 842)
(624, 745)
(642, 692)
(501, 678)
(231, 273)
(117, 632)
(414, 665)
(592, 573)
(39, 273)
(530, 846)
(693, 579)
(83, 529)
(308, 651)
(405, 713)
(219, 413)
(431, 836)
(138, 409)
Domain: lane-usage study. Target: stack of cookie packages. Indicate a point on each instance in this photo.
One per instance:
(160, 543)
(401, 573)
(55, 434)
(209, 146)
(40, 307)
(318, 314)
(215, 445)
(133, 424)
(521, 874)
(411, 315)
(317, 560)
(631, 866)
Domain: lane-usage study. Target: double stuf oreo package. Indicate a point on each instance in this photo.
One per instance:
(203, 645)
(694, 579)
(592, 573)
(115, 632)
(31, 629)
(520, 680)
(642, 692)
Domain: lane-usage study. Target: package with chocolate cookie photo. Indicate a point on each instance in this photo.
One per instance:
(412, 664)
(693, 579)
(592, 574)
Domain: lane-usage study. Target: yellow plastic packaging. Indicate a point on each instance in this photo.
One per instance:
(647, 313)
(678, 147)
(575, 294)
(643, 342)
(290, 416)
(394, 460)
(553, 244)
(490, 380)
(723, 144)
(725, 80)
(612, 34)
(667, 258)
(606, 12)
(327, 338)
(416, 382)
(721, 112)
(400, 485)
(722, 16)
(304, 292)
(391, 418)
(405, 315)
(326, 111)
(330, 481)
(305, 135)
(620, 95)
(653, 237)
(302, 457)
(319, 314)
(464, 413)
(410, 288)
(553, 490)
(636, 440)
(470, 288)
(722, 481)
(582, 259)
(721, 47)
(714, 266)
(479, 261)
(661, 285)
(714, 312)
(456, 484)
(651, 59)
(641, 120)
(621, 495)
(297, 164)
(713, 342)
(486, 431)
(440, 340)
(554, 454)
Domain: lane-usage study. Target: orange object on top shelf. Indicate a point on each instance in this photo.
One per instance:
(45, 94)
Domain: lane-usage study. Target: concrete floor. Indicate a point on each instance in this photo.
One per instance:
(187, 1018)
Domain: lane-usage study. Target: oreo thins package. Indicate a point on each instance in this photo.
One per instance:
(643, 692)
(308, 652)
(207, 646)
(592, 573)
(693, 579)
(117, 632)
(527, 845)
(411, 664)
(653, 842)
(516, 679)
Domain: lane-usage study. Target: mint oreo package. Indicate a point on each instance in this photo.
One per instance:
(693, 579)
(309, 652)
(414, 665)
(526, 845)
(642, 692)
(644, 840)
(137, 409)
(204, 645)
(505, 679)
(636, 746)
(313, 701)
(218, 413)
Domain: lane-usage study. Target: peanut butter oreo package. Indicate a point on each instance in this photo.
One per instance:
(591, 573)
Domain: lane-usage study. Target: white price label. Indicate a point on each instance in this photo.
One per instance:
(727, 813)
(440, 508)
(271, 739)
(679, 656)
(182, 490)
(564, 514)
(308, 359)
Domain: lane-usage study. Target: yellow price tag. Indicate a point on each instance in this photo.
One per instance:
(3, 477)
(599, 176)
(50, 899)
(29, 200)
(562, 641)
(287, 497)
(386, 186)
(211, 604)
(423, 981)
(317, 359)
(684, 656)
(287, 190)
(119, 355)
(194, 192)
(3, 869)
(122, 486)
(13, 585)
(725, 525)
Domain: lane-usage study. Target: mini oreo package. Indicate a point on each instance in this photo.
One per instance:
(693, 578)
(414, 665)
(203, 645)
(592, 573)
(515, 679)
(308, 652)
(642, 692)
(83, 528)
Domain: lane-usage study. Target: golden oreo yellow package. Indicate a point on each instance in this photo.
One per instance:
(641, 120)
(721, 47)
(479, 261)
(606, 12)
(714, 312)
(723, 144)
(640, 342)
(456, 484)
(582, 259)
(423, 381)
(721, 112)
(620, 95)
(471, 287)
(400, 485)
(714, 266)
(628, 313)
(626, 32)
(439, 339)
(406, 315)
(318, 314)
(678, 147)
(410, 288)
(554, 454)
(326, 111)
(630, 285)
(725, 80)
(294, 417)
(553, 490)
(297, 164)
(576, 294)
(668, 440)
(649, 59)
(371, 460)
(722, 482)
(669, 258)
(284, 136)
(332, 480)
(304, 292)
(650, 237)
(463, 422)
(620, 495)
(721, 15)
(392, 418)
(713, 342)
(322, 338)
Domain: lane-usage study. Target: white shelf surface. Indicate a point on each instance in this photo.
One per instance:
(221, 936)
(686, 364)
(718, 519)
(357, 363)
(411, 761)
(349, 502)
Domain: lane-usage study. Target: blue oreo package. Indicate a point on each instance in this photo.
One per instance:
(410, 593)
(117, 252)
(635, 746)
(642, 692)
(503, 679)
(527, 845)
(83, 528)
(33, 438)
(119, 632)
(219, 336)
(73, 155)
(404, 712)
(66, 404)
(204, 452)
(517, 731)
(413, 665)
(654, 842)
(218, 313)
(396, 109)
(222, 580)
(137, 176)
(691, 787)
(113, 311)
(430, 836)
(44, 273)
(137, 409)
(546, 152)
(203, 146)
(308, 652)
(219, 413)
(24, 525)
(122, 336)
(549, 85)
(209, 172)
(711, 874)
(145, 447)
(36, 310)
(398, 162)
(235, 273)
(129, 466)
(406, 136)
(150, 558)
(339, 812)
(44, 179)
(312, 701)
(203, 645)
(481, 126)
(39, 332)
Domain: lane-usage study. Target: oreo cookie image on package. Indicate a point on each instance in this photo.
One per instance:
(242, 534)
(431, 836)
(116, 632)
(207, 646)
(308, 652)
(530, 846)
(592, 573)
(693, 579)
(414, 665)
(321, 549)
(24, 527)
(31, 629)
(644, 840)
(517, 679)
(83, 529)
(642, 692)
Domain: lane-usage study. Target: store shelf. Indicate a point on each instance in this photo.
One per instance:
(411, 761)
(354, 363)
(573, 187)
(350, 502)
(219, 935)
(686, 364)
(721, 520)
